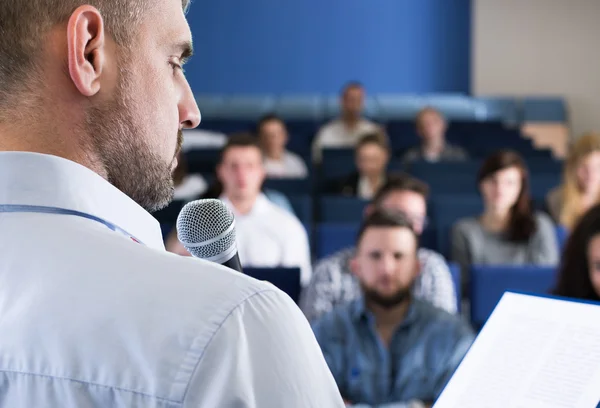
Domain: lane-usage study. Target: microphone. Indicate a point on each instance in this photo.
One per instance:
(206, 228)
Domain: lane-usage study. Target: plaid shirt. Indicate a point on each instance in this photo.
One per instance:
(333, 283)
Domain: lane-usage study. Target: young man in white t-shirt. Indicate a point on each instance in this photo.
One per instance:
(267, 235)
(279, 162)
(345, 131)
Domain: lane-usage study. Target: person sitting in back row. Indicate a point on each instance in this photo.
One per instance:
(267, 235)
(345, 131)
(372, 154)
(509, 232)
(279, 162)
(431, 128)
(334, 284)
(386, 348)
(580, 187)
(579, 274)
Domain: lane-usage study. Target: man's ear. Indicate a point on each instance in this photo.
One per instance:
(86, 49)
(418, 267)
(369, 208)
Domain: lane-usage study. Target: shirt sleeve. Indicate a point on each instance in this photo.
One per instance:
(440, 287)
(545, 243)
(455, 353)
(319, 297)
(459, 249)
(263, 356)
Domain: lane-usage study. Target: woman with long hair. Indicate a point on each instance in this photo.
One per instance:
(580, 188)
(509, 231)
(579, 275)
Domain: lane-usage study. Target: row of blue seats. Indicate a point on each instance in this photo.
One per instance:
(340, 162)
(384, 107)
(478, 137)
(487, 284)
(340, 222)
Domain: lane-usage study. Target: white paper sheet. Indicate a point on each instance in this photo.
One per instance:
(533, 352)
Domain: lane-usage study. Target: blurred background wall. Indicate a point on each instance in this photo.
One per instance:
(314, 46)
(540, 47)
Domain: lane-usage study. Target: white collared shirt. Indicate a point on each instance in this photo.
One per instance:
(269, 236)
(336, 134)
(90, 318)
(290, 166)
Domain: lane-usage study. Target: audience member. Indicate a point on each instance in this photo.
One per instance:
(188, 186)
(333, 282)
(372, 154)
(386, 347)
(431, 128)
(580, 187)
(579, 275)
(279, 162)
(345, 131)
(509, 231)
(267, 235)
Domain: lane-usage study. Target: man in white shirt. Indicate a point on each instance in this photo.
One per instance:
(279, 162)
(267, 235)
(93, 311)
(346, 130)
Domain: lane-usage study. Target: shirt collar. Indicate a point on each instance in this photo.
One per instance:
(45, 180)
(359, 311)
(261, 205)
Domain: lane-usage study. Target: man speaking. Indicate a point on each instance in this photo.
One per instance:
(93, 311)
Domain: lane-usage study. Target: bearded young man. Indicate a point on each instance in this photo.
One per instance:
(93, 311)
(388, 349)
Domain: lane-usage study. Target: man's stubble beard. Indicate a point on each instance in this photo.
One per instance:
(122, 148)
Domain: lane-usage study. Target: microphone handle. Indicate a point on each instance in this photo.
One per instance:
(234, 263)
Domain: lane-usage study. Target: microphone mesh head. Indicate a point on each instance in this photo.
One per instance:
(205, 228)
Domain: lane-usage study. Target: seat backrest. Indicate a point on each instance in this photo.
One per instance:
(286, 279)
(332, 237)
(488, 284)
(302, 205)
(341, 209)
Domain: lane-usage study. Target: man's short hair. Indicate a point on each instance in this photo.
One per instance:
(267, 118)
(242, 139)
(376, 138)
(381, 218)
(424, 111)
(351, 85)
(24, 23)
(400, 182)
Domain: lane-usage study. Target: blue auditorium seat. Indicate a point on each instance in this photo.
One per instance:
(202, 160)
(488, 284)
(457, 281)
(227, 126)
(399, 106)
(286, 279)
(497, 108)
(402, 134)
(562, 234)
(211, 106)
(542, 183)
(302, 205)
(289, 186)
(249, 106)
(447, 210)
(306, 107)
(453, 107)
(332, 237)
(544, 109)
(341, 209)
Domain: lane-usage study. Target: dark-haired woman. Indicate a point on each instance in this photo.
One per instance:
(509, 232)
(580, 265)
